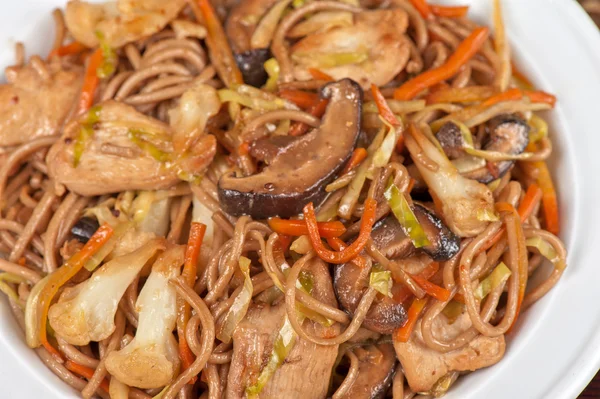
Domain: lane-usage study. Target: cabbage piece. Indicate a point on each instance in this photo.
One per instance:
(201, 214)
(539, 129)
(453, 310)
(406, 217)
(256, 103)
(348, 201)
(238, 310)
(32, 314)
(381, 280)
(108, 247)
(151, 359)
(86, 312)
(498, 276)
(284, 343)
(151, 212)
(384, 152)
(457, 197)
(330, 60)
(188, 120)
(272, 68)
(6, 278)
(546, 250)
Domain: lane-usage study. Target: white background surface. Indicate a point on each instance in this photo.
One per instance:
(556, 348)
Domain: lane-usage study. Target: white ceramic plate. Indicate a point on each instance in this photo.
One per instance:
(556, 348)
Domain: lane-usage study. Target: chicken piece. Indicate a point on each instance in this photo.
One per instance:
(375, 44)
(111, 161)
(35, 102)
(423, 367)
(120, 22)
(306, 371)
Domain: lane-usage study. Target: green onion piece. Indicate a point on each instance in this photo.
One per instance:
(86, 132)
(487, 215)
(284, 343)
(137, 137)
(381, 281)
(272, 68)
(401, 209)
(107, 248)
(238, 310)
(453, 310)
(109, 58)
(498, 276)
(546, 250)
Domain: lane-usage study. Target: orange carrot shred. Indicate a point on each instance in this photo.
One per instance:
(352, 250)
(317, 74)
(189, 274)
(422, 6)
(68, 49)
(524, 80)
(296, 228)
(317, 110)
(403, 333)
(433, 290)
(357, 157)
(340, 245)
(64, 273)
(449, 11)
(85, 372)
(90, 81)
(464, 52)
(303, 99)
(218, 44)
(383, 107)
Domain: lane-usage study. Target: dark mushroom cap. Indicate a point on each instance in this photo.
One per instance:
(375, 371)
(444, 243)
(508, 134)
(350, 282)
(251, 64)
(391, 239)
(84, 229)
(451, 140)
(300, 174)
